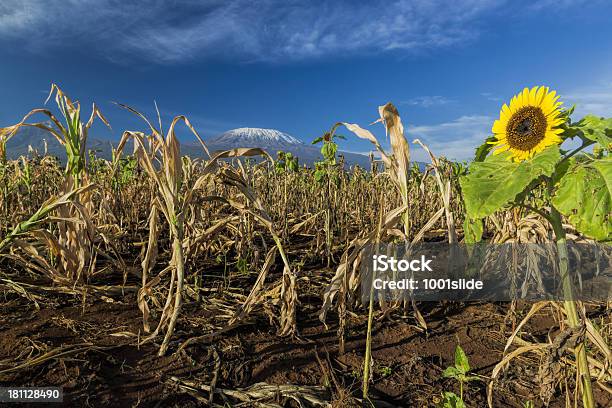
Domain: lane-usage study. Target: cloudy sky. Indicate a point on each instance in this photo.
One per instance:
(301, 66)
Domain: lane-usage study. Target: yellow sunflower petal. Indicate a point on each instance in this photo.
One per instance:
(501, 150)
(532, 96)
(513, 105)
(499, 127)
(555, 122)
(549, 101)
(505, 111)
(540, 95)
(524, 97)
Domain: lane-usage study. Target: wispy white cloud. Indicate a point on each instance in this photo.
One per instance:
(268, 30)
(455, 139)
(428, 101)
(595, 99)
(556, 5)
(491, 97)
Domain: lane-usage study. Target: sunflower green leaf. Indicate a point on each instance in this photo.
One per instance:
(484, 149)
(495, 182)
(596, 129)
(472, 230)
(584, 197)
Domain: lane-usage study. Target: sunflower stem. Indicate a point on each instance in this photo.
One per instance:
(571, 310)
(585, 144)
(535, 210)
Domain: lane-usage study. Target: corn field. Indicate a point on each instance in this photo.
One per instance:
(156, 279)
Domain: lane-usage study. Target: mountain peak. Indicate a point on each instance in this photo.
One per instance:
(256, 137)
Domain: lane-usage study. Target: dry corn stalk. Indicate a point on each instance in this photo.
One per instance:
(171, 201)
(288, 293)
(255, 296)
(445, 192)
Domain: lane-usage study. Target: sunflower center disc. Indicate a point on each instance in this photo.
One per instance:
(526, 128)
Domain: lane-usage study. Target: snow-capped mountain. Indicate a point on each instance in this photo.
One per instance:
(272, 140)
(256, 137)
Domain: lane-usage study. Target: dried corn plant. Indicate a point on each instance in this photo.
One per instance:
(75, 243)
(445, 187)
(34, 224)
(398, 170)
(160, 157)
(288, 291)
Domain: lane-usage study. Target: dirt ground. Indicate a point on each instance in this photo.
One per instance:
(99, 362)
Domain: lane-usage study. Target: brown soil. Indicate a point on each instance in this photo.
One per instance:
(109, 369)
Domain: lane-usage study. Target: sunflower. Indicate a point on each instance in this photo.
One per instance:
(529, 124)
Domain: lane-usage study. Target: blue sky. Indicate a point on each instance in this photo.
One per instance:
(302, 66)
